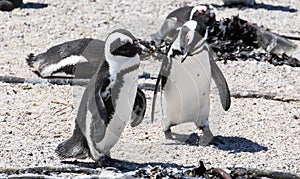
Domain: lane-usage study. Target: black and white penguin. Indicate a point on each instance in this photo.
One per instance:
(81, 55)
(107, 102)
(169, 30)
(185, 78)
(81, 59)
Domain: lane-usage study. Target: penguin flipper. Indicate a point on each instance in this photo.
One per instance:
(139, 108)
(99, 118)
(154, 97)
(221, 83)
(163, 77)
(92, 117)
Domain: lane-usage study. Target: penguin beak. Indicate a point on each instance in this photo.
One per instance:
(186, 52)
(139, 47)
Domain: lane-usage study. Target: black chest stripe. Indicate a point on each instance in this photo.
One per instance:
(110, 102)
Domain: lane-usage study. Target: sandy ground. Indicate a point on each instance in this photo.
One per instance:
(34, 119)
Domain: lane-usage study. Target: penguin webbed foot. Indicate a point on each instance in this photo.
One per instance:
(74, 147)
(168, 134)
(106, 161)
(203, 142)
(207, 136)
(196, 140)
(69, 149)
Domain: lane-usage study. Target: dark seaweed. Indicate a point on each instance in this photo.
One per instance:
(235, 39)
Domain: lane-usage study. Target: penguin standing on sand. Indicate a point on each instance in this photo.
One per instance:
(81, 58)
(185, 77)
(169, 30)
(107, 102)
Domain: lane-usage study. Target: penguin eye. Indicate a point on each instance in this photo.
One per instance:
(200, 11)
(189, 38)
(123, 42)
(124, 47)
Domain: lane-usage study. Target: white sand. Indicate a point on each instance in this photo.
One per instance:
(258, 133)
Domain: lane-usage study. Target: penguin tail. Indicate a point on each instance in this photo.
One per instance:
(74, 147)
(31, 60)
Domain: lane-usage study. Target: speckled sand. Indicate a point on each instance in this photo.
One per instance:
(34, 119)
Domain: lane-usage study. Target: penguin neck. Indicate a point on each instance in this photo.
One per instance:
(119, 63)
(175, 48)
(201, 8)
(115, 65)
(121, 76)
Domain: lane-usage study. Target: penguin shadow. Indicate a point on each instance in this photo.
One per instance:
(124, 166)
(227, 143)
(183, 139)
(273, 8)
(237, 144)
(33, 5)
(258, 6)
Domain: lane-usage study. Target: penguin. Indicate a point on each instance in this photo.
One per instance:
(185, 78)
(80, 55)
(107, 103)
(80, 58)
(169, 30)
(76, 58)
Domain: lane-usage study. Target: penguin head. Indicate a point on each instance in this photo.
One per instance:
(121, 43)
(204, 14)
(121, 50)
(189, 37)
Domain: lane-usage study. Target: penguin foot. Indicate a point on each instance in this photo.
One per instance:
(74, 147)
(168, 134)
(105, 161)
(207, 136)
(71, 149)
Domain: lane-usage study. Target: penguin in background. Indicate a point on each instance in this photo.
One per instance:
(169, 30)
(80, 55)
(107, 103)
(78, 58)
(185, 78)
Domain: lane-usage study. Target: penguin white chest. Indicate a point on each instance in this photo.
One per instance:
(186, 93)
(124, 100)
